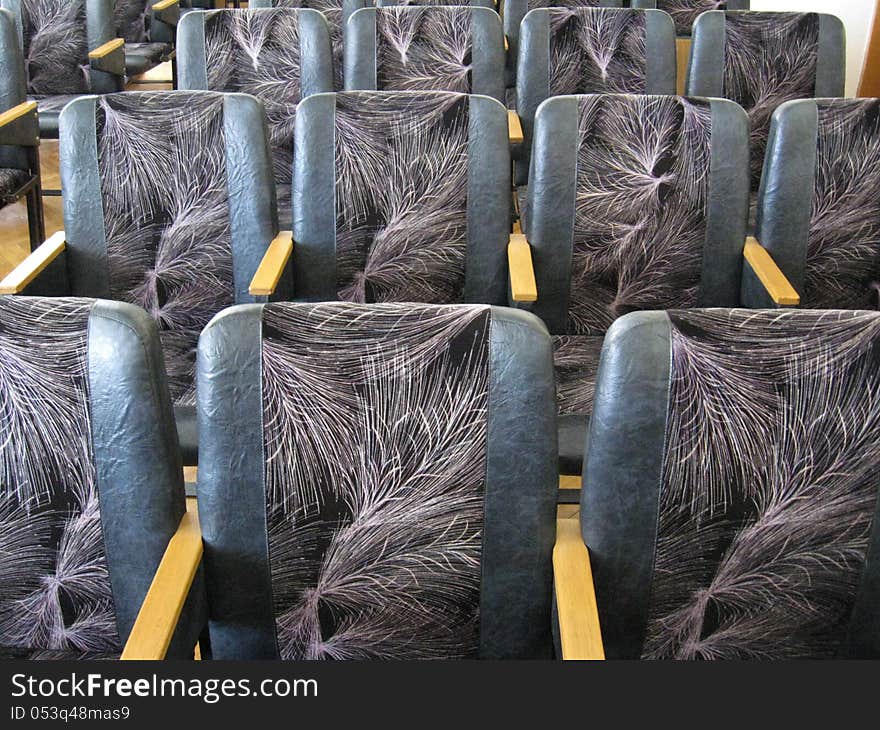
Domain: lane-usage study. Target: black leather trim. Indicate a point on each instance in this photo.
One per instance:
(232, 498)
(863, 636)
(623, 475)
(572, 435)
(661, 72)
(360, 51)
(831, 58)
(532, 81)
(705, 76)
(315, 53)
(192, 66)
(521, 483)
(487, 66)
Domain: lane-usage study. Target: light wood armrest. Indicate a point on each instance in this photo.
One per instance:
(17, 112)
(164, 5)
(514, 127)
(272, 266)
(769, 274)
(106, 49)
(522, 272)
(157, 620)
(579, 630)
(506, 44)
(29, 269)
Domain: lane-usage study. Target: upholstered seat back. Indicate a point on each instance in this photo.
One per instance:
(685, 12)
(393, 484)
(432, 48)
(132, 19)
(730, 486)
(761, 60)
(90, 479)
(278, 56)
(401, 196)
(590, 51)
(56, 37)
(819, 201)
(169, 204)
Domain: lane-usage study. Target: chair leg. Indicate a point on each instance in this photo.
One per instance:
(36, 220)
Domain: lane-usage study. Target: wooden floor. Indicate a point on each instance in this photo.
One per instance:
(14, 244)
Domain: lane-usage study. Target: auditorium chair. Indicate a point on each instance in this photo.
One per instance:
(68, 49)
(760, 60)
(19, 136)
(168, 204)
(336, 12)
(278, 56)
(636, 202)
(590, 51)
(401, 196)
(148, 27)
(730, 490)
(92, 500)
(377, 481)
(819, 201)
(685, 12)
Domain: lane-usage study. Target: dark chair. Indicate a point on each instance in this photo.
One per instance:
(148, 27)
(277, 55)
(92, 487)
(168, 204)
(730, 490)
(19, 137)
(401, 196)
(819, 202)
(760, 60)
(392, 490)
(636, 202)
(685, 12)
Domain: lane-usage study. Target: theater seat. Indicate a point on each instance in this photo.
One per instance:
(168, 204)
(685, 12)
(377, 482)
(92, 483)
(68, 49)
(730, 492)
(637, 202)
(278, 56)
(149, 28)
(401, 196)
(819, 202)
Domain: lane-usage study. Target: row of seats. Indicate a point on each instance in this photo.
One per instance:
(378, 482)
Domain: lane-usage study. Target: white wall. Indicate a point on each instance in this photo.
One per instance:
(856, 16)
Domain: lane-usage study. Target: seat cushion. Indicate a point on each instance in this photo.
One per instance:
(10, 181)
(141, 57)
(49, 109)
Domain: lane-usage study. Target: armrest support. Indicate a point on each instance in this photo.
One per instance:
(579, 630)
(157, 620)
(29, 269)
(107, 66)
(769, 274)
(19, 125)
(523, 287)
(514, 127)
(166, 15)
(272, 266)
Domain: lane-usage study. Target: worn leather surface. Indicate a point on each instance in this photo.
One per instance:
(831, 59)
(661, 68)
(705, 75)
(138, 468)
(532, 79)
(13, 89)
(521, 484)
(360, 51)
(191, 63)
(232, 499)
(315, 53)
(622, 475)
(488, 57)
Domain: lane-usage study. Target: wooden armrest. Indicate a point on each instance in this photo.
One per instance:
(272, 266)
(157, 620)
(769, 274)
(164, 5)
(29, 269)
(106, 49)
(522, 272)
(506, 44)
(579, 630)
(17, 112)
(514, 127)
(20, 125)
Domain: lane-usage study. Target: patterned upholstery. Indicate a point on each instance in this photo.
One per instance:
(131, 18)
(597, 51)
(426, 48)
(769, 483)
(162, 165)
(685, 12)
(640, 223)
(11, 180)
(375, 545)
(401, 236)
(55, 594)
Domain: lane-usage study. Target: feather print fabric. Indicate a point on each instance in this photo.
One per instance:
(769, 58)
(596, 51)
(843, 250)
(640, 223)
(55, 595)
(427, 48)
(162, 160)
(332, 10)
(258, 53)
(401, 196)
(55, 46)
(685, 12)
(769, 483)
(130, 18)
(375, 441)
